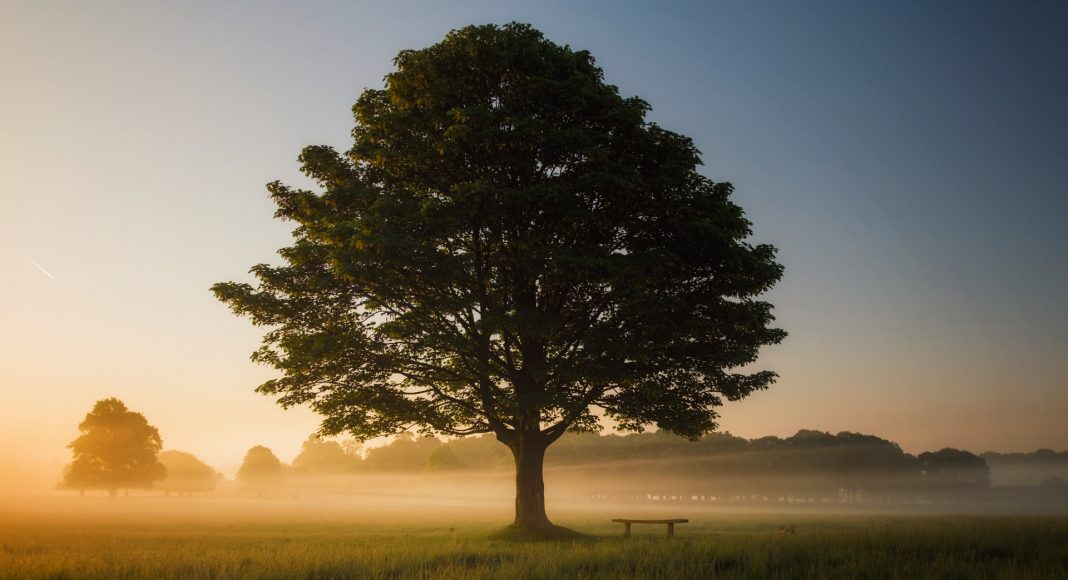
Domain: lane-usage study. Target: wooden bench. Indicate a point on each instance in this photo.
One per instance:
(670, 524)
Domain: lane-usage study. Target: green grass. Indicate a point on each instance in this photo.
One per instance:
(200, 543)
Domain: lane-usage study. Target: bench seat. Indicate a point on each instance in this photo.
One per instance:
(669, 522)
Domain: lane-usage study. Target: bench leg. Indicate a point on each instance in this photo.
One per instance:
(626, 529)
(671, 530)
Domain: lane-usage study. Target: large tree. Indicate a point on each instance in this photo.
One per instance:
(116, 450)
(508, 246)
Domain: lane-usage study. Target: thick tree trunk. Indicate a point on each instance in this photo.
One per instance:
(528, 449)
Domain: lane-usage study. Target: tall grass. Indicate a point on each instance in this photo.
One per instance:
(713, 546)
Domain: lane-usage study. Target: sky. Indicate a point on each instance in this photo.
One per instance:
(908, 159)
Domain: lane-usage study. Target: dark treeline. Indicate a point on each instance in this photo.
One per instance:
(1044, 465)
(809, 467)
(119, 450)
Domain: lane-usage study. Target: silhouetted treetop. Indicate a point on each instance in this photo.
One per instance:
(117, 449)
(186, 473)
(955, 468)
(323, 457)
(260, 466)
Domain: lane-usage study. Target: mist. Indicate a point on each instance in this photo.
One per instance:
(415, 478)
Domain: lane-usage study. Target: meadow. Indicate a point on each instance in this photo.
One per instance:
(145, 537)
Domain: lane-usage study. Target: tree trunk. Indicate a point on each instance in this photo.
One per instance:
(528, 449)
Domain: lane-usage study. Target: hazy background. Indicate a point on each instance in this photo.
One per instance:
(908, 161)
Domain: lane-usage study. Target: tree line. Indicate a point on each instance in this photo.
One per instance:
(118, 449)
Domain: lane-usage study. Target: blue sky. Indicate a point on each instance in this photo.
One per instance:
(908, 160)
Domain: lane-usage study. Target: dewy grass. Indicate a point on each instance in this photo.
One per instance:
(712, 546)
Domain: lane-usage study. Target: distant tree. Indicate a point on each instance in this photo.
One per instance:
(954, 469)
(1027, 468)
(482, 452)
(260, 468)
(508, 245)
(443, 458)
(766, 442)
(808, 438)
(116, 450)
(406, 453)
(186, 474)
(352, 447)
(321, 457)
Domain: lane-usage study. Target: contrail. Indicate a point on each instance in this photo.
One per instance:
(41, 268)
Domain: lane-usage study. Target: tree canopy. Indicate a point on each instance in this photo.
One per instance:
(260, 467)
(186, 473)
(117, 449)
(507, 246)
(954, 467)
(322, 457)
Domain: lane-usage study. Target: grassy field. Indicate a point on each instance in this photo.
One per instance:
(156, 538)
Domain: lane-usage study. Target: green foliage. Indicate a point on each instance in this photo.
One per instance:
(482, 452)
(186, 473)
(260, 467)
(807, 451)
(405, 454)
(322, 457)
(507, 244)
(116, 450)
(810, 465)
(443, 458)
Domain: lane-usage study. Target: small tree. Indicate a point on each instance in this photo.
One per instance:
(116, 450)
(260, 468)
(186, 473)
(507, 246)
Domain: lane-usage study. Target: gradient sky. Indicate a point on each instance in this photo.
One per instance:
(909, 160)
